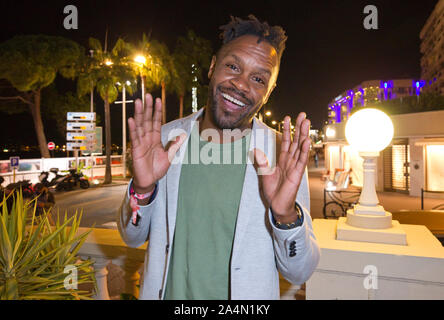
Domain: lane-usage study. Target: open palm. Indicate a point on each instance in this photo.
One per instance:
(281, 183)
(151, 159)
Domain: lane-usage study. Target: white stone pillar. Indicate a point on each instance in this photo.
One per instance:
(101, 278)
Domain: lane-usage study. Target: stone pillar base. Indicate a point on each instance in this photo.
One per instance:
(393, 235)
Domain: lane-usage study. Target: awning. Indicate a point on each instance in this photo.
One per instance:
(429, 142)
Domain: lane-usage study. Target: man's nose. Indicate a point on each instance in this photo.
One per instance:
(240, 82)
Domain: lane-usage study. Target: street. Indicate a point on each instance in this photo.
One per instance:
(99, 205)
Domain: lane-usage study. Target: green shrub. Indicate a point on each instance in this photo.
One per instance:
(34, 254)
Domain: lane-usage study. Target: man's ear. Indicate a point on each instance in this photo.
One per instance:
(212, 66)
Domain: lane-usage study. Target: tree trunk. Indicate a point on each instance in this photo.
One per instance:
(38, 125)
(108, 176)
(163, 102)
(181, 106)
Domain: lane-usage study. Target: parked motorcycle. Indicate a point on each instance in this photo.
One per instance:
(45, 199)
(65, 182)
(38, 192)
(24, 185)
(58, 179)
(77, 178)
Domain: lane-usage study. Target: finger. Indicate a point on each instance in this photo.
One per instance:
(286, 135)
(295, 173)
(138, 118)
(303, 134)
(133, 132)
(175, 146)
(157, 119)
(303, 153)
(261, 163)
(297, 133)
(148, 113)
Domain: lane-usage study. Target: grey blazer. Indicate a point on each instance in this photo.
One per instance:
(260, 249)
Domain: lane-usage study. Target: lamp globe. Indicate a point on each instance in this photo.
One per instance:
(369, 131)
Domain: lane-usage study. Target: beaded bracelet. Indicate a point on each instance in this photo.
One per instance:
(288, 226)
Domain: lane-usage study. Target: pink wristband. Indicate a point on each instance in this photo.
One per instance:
(133, 202)
(142, 196)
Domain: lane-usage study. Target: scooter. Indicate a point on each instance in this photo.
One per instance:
(24, 185)
(59, 182)
(38, 192)
(77, 178)
(45, 199)
(44, 175)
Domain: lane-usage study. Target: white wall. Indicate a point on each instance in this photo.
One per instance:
(31, 168)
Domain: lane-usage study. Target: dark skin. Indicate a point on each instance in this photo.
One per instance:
(246, 71)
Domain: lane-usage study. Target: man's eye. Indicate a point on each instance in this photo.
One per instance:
(259, 80)
(231, 66)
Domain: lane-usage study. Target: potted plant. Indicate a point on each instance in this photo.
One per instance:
(35, 255)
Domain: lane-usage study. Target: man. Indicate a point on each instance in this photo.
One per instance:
(218, 230)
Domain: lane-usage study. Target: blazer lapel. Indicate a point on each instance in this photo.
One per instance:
(251, 202)
(173, 174)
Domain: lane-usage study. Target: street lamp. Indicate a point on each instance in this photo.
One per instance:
(268, 113)
(141, 60)
(369, 131)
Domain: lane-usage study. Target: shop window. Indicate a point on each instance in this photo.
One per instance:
(435, 167)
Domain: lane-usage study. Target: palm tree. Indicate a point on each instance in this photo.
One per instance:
(162, 70)
(183, 79)
(141, 60)
(192, 57)
(103, 71)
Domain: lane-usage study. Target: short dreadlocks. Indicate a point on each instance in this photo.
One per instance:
(238, 27)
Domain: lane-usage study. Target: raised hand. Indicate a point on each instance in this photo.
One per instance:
(150, 159)
(281, 183)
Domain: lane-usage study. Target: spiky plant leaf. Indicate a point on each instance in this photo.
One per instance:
(34, 254)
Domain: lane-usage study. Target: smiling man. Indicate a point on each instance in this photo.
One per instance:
(221, 226)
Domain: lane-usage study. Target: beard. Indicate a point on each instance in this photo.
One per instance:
(228, 120)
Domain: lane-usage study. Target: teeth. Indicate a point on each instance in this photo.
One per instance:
(235, 101)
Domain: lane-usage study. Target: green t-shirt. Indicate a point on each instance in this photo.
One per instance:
(208, 202)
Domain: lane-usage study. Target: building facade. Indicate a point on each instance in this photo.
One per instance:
(432, 50)
(413, 160)
(369, 92)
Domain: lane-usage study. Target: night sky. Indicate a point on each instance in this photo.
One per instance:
(328, 49)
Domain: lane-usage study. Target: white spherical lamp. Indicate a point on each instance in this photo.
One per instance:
(369, 130)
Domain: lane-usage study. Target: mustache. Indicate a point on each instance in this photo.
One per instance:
(237, 92)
